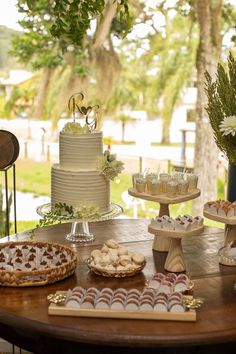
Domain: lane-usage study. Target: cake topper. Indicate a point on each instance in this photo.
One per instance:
(89, 113)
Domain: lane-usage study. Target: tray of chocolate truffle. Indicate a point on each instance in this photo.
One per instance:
(165, 188)
(114, 260)
(225, 212)
(162, 299)
(30, 263)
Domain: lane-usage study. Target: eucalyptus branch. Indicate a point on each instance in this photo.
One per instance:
(221, 107)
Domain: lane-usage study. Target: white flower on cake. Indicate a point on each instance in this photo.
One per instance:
(76, 128)
(228, 126)
(109, 166)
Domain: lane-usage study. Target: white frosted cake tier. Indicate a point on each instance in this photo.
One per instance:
(80, 151)
(79, 188)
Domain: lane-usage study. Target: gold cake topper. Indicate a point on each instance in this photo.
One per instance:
(75, 104)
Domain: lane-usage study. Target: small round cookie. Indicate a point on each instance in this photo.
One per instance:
(113, 252)
(124, 260)
(96, 253)
(96, 260)
(112, 244)
(128, 266)
(122, 251)
(104, 249)
(110, 268)
(120, 268)
(138, 258)
(105, 260)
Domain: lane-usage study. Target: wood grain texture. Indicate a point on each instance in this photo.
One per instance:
(223, 219)
(230, 233)
(23, 312)
(175, 258)
(230, 225)
(173, 233)
(161, 244)
(162, 199)
(58, 310)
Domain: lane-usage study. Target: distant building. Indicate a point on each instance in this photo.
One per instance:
(16, 77)
(144, 130)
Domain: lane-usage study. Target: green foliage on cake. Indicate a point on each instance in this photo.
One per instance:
(109, 166)
(87, 213)
(63, 212)
(221, 107)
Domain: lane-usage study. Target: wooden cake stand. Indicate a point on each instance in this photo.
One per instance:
(230, 225)
(162, 244)
(175, 258)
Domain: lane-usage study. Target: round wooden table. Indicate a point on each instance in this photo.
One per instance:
(24, 319)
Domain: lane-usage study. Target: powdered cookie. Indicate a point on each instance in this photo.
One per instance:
(138, 258)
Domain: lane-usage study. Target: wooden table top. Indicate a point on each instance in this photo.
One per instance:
(26, 308)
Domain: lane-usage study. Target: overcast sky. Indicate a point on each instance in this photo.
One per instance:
(8, 14)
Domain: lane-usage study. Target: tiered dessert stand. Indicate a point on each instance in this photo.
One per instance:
(80, 228)
(175, 258)
(169, 240)
(229, 237)
(230, 225)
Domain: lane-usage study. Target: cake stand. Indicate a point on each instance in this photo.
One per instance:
(175, 259)
(80, 228)
(230, 225)
(162, 244)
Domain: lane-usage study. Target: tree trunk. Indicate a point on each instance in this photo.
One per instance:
(104, 58)
(206, 152)
(40, 99)
(165, 132)
(104, 26)
(123, 124)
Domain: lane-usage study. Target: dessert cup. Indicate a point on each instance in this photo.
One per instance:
(155, 187)
(149, 178)
(193, 180)
(171, 189)
(182, 187)
(140, 185)
(136, 176)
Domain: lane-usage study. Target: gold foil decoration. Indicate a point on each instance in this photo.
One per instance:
(58, 299)
(74, 105)
(192, 303)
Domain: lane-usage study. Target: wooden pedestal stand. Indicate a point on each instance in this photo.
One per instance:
(230, 225)
(162, 244)
(175, 259)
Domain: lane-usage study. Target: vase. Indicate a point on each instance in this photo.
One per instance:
(231, 184)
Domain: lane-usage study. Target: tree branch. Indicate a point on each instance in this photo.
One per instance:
(103, 28)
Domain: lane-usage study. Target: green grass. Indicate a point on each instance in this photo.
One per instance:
(35, 177)
(24, 225)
